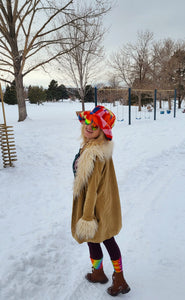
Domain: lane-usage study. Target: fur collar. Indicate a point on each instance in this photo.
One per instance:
(90, 152)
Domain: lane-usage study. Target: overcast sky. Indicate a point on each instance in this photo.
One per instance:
(165, 18)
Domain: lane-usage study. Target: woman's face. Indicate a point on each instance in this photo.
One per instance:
(91, 132)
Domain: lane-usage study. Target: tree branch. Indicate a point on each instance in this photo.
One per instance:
(4, 47)
(46, 23)
(27, 12)
(8, 71)
(4, 11)
(5, 80)
(49, 60)
(5, 62)
(5, 55)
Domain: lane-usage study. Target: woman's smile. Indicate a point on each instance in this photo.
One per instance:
(89, 130)
(90, 133)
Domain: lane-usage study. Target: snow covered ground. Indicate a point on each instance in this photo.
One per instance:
(39, 258)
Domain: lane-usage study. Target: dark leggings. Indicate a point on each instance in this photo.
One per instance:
(111, 246)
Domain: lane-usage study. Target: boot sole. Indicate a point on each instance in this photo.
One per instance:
(102, 282)
(119, 292)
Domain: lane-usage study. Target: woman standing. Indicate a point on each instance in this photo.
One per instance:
(96, 215)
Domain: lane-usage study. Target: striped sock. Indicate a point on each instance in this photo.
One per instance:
(97, 263)
(117, 264)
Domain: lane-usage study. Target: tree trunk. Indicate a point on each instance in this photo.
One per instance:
(20, 97)
(179, 102)
(139, 109)
(160, 101)
(83, 105)
(169, 103)
(82, 96)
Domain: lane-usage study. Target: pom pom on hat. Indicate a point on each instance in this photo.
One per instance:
(102, 117)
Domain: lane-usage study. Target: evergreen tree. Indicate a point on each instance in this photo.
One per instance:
(10, 96)
(36, 94)
(52, 90)
(89, 94)
(62, 92)
(55, 92)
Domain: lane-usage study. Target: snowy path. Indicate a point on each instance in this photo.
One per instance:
(39, 258)
(152, 244)
(156, 220)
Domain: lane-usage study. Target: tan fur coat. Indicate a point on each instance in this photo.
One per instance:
(96, 214)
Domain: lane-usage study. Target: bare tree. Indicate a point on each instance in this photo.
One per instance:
(162, 52)
(148, 65)
(113, 81)
(177, 71)
(133, 62)
(80, 64)
(28, 30)
(121, 64)
(169, 68)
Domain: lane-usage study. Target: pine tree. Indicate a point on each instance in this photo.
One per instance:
(62, 92)
(36, 94)
(10, 96)
(52, 90)
(55, 92)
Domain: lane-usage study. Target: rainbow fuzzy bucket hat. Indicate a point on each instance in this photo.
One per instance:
(100, 116)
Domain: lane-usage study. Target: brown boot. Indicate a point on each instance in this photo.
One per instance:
(119, 285)
(97, 275)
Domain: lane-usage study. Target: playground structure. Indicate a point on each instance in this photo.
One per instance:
(156, 100)
(7, 140)
(139, 103)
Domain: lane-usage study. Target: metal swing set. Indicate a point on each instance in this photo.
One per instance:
(106, 95)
